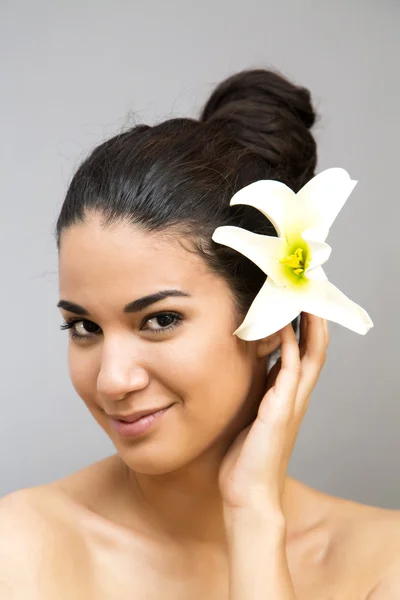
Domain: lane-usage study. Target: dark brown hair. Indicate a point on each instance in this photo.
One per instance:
(179, 176)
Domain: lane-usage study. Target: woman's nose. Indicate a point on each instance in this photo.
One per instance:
(120, 373)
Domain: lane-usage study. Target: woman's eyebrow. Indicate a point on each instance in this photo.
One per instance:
(145, 301)
(134, 306)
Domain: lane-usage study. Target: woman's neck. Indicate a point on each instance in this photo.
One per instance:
(185, 506)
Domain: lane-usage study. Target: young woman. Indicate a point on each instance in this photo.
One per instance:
(196, 502)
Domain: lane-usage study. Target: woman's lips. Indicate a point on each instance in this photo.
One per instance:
(130, 430)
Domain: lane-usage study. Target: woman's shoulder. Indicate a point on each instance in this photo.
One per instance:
(361, 522)
(365, 542)
(54, 508)
(27, 512)
(29, 517)
(38, 536)
(23, 518)
(41, 552)
(45, 525)
(347, 548)
(24, 538)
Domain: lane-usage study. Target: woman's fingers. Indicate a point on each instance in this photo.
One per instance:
(292, 379)
(273, 374)
(281, 397)
(314, 356)
(326, 330)
(317, 339)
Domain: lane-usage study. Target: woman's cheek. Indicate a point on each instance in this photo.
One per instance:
(82, 375)
(222, 375)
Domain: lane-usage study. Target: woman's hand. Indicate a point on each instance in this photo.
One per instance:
(253, 472)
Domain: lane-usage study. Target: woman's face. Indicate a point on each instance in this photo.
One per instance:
(177, 351)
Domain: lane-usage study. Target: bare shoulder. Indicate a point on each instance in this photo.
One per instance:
(367, 542)
(374, 526)
(347, 548)
(22, 523)
(34, 543)
(26, 513)
(22, 535)
(384, 535)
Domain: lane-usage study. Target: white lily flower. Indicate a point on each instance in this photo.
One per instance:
(292, 261)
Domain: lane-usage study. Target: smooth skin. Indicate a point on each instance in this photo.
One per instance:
(152, 520)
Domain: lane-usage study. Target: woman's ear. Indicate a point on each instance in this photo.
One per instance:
(267, 345)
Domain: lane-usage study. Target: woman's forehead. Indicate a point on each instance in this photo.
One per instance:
(122, 256)
(122, 243)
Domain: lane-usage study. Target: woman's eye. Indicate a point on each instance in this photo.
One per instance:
(81, 329)
(163, 322)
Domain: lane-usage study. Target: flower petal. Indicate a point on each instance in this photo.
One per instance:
(273, 198)
(326, 301)
(320, 252)
(265, 251)
(315, 234)
(272, 308)
(321, 199)
(317, 274)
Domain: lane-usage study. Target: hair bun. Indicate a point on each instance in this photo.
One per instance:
(259, 85)
(269, 115)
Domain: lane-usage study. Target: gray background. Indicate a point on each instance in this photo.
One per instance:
(72, 74)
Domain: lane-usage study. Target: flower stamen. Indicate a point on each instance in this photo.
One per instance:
(295, 261)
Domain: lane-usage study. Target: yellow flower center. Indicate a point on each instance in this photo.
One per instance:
(295, 261)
